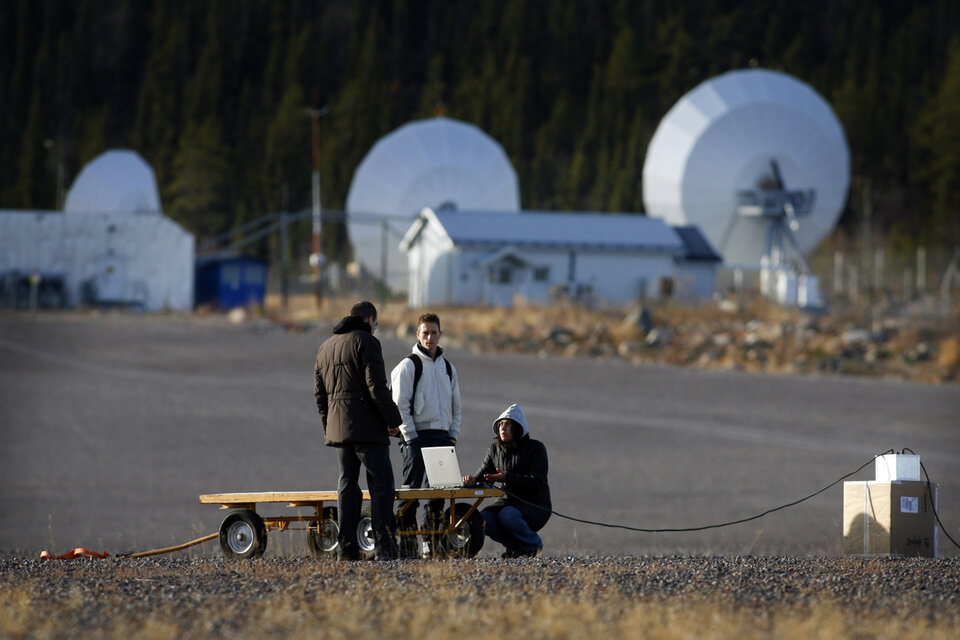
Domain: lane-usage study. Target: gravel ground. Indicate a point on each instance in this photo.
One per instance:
(924, 587)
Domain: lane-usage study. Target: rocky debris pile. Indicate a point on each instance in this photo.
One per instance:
(759, 338)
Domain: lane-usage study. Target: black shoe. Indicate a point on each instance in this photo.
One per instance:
(509, 553)
(387, 553)
(347, 550)
(529, 553)
(387, 548)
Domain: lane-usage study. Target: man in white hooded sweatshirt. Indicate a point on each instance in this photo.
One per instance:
(427, 392)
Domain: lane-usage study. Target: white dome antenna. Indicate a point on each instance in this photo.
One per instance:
(116, 181)
(437, 163)
(758, 160)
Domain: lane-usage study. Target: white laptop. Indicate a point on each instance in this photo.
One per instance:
(443, 469)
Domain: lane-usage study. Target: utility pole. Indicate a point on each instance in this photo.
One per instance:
(284, 253)
(921, 270)
(316, 258)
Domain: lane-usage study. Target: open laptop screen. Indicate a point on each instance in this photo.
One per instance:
(442, 467)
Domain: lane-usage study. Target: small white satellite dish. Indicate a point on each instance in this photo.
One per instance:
(439, 163)
(756, 159)
(116, 181)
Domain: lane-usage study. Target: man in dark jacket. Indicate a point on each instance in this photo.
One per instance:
(359, 416)
(520, 463)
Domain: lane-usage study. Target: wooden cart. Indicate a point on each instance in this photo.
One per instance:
(243, 533)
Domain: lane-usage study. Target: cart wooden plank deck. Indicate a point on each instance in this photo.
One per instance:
(243, 533)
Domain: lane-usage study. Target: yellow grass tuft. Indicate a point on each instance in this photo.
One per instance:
(948, 358)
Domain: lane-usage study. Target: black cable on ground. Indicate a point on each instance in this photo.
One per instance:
(933, 502)
(722, 524)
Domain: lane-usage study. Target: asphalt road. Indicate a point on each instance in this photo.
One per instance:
(113, 424)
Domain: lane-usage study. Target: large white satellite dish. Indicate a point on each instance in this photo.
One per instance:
(755, 158)
(439, 163)
(116, 181)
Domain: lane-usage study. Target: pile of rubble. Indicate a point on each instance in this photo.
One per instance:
(757, 338)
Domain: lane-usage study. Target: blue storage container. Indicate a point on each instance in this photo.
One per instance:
(230, 282)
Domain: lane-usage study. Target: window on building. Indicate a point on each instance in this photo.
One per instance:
(501, 275)
(541, 274)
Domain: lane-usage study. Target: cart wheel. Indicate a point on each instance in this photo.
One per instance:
(466, 541)
(322, 538)
(243, 535)
(365, 539)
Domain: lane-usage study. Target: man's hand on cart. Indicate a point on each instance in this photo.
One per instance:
(499, 476)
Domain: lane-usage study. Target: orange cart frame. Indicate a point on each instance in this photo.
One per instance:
(243, 533)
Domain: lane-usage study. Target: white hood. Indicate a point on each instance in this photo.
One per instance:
(515, 413)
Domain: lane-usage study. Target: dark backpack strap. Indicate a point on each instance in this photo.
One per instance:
(417, 373)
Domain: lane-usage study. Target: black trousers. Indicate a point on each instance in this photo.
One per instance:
(414, 473)
(375, 458)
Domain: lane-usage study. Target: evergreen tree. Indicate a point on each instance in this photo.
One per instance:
(939, 136)
(33, 188)
(199, 194)
(288, 153)
(159, 114)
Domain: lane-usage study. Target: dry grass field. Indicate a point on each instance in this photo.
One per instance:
(611, 597)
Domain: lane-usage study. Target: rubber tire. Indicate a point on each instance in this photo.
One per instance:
(468, 541)
(322, 537)
(365, 542)
(243, 535)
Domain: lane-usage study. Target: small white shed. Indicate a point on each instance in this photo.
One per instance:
(472, 257)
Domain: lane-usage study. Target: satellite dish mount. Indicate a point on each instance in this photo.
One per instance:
(782, 209)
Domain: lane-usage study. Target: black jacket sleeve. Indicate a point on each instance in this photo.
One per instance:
(371, 356)
(488, 465)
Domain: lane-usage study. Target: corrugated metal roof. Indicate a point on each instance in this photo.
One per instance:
(562, 230)
(698, 247)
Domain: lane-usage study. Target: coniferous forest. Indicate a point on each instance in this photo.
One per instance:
(214, 94)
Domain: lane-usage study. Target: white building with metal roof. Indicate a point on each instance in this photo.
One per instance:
(472, 257)
(111, 245)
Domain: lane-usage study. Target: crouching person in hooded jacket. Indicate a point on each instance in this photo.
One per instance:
(520, 464)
